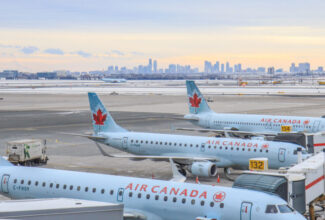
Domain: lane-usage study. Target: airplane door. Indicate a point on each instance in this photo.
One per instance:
(282, 154)
(4, 183)
(268, 125)
(202, 147)
(245, 211)
(125, 143)
(316, 126)
(120, 194)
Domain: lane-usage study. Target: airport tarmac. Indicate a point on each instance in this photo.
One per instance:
(50, 115)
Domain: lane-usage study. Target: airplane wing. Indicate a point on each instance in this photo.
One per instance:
(227, 131)
(87, 136)
(131, 214)
(162, 157)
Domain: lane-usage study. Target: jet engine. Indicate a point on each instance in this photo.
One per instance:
(205, 169)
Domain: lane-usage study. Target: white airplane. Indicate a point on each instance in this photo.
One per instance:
(203, 116)
(145, 199)
(114, 80)
(198, 155)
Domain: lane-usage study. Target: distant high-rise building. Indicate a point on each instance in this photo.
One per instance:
(116, 69)
(172, 68)
(155, 66)
(216, 67)
(270, 70)
(261, 69)
(222, 68)
(304, 67)
(110, 69)
(320, 69)
(293, 68)
(150, 66)
(207, 67)
(239, 67)
(227, 67)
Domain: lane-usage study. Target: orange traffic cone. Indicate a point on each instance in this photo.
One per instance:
(197, 180)
(218, 179)
(152, 176)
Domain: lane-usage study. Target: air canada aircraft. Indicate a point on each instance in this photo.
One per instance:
(203, 116)
(145, 199)
(114, 80)
(198, 155)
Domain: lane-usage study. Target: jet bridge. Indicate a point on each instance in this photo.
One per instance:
(301, 185)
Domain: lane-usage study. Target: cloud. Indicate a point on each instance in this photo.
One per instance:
(117, 52)
(29, 50)
(55, 51)
(9, 46)
(83, 54)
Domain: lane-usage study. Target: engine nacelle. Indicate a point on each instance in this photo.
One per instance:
(205, 169)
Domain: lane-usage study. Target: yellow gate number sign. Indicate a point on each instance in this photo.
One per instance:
(258, 164)
(286, 128)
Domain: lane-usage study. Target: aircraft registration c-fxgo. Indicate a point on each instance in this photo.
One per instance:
(145, 199)
(200, 156)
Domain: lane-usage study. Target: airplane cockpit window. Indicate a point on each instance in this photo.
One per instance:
(285, 209)
(271, 209)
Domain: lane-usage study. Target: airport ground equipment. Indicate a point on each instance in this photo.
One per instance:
(27, 152)
(301, 185)
(60, 208)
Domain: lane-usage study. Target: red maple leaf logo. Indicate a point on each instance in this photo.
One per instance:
(99, 118)
(306, 122)
(195, 101)
(219, 196)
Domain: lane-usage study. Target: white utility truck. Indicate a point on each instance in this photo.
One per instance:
(27, 152)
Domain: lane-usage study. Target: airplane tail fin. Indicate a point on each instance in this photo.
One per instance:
(101, 119)
(4, 162)
(196, 102)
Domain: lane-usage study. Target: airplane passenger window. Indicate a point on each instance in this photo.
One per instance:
(78, 188)
(271, 209)
(36, 183)
(170, 143)
(261, 150)
(285, 209)
(146, 142)
(57, 186)
(165, 198)
(86, 189)
(191, 145)
(160, 143)
(237, 148)
(111, 192)
(254, 150)
(139, 195)
(185, 145)
(94, 190)
(29, 182)
(226, 148)
(43, 184)
(51, 185)
(22, 182)
(211, 204)
(131, 141)
(180, 145)
(209, 146)
(174, 199)
(136, 141)
(166, 143)
(267, 151)
(220, 148)
(197, 145)
(215, 147)
(151, 142)
(175, 144)
(148, 196)
(231, 148)
(249, 149)
(64, 186)
(71, 187)
(102, 191)
(141, 142)
(156, 197)
(15, 180)
(130, 194)
(243, 149)
(222, 205)
(156, 142)
(202, 203)
(193, 201)
(183, 200)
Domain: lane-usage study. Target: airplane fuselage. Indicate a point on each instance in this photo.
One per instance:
(259, 123)
(230, 152)
(154, 199)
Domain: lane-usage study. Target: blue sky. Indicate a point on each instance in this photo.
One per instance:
(62, 34)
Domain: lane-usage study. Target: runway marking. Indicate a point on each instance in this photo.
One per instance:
(41, 127)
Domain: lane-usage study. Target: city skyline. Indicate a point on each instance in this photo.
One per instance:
(90, 35)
